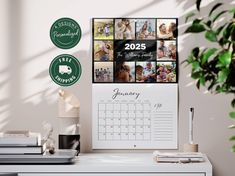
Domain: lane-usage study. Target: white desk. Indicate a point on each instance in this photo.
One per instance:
(109, 164)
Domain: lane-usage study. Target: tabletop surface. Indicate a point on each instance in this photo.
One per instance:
(113, 162)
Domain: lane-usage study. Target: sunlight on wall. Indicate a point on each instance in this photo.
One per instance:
(4, 114)
(4, 66)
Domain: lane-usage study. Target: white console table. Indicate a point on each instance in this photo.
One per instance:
(113, 164)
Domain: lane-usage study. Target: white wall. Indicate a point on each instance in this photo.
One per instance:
(28, 96)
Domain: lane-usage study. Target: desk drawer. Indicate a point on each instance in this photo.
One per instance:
(107, 174)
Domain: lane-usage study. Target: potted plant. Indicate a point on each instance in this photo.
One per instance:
(214, 67)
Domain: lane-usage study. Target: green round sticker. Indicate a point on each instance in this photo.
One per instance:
(65, 33)
(65, 70)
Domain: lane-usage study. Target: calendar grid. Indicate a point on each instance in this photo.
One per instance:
(124, 121)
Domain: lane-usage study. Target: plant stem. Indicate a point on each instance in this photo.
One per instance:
(233, 38)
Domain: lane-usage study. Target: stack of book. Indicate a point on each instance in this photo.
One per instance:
(21, 143)
(183, 157)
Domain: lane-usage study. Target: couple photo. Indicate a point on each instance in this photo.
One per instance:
(166, 29)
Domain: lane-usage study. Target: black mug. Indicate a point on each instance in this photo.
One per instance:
(71, 141)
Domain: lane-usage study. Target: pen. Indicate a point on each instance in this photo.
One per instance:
(191, 114)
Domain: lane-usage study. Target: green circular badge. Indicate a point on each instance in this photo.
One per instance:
(65, 70)
(65, 33)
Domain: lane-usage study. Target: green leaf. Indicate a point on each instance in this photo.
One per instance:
(208, 23)
(212, 85)
(196, 75)
(195, 66)
(195, 51)
(233, 148)
(211, 36)
(232, 138)
(233, 103)
(219, 29)
(225, 58)
(222, 75)
(198, 3)
(222, 41)
(209, 52)
(227, 31)
(219, 65)
(202, 81)
(231, 126)
(215, 7)
(218, 15)
(190, 59)
(195, 28)
(197, 20)
(198, 84)
(232, 115)
(232, 10)
(218, 89)
(191, 14)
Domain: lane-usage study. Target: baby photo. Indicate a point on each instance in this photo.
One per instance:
(166, 72)
(124, 29)
(103, 72)
(124, 72)
(145, 72)
(145, 29)
(103, 29)
(103, 50)
(166, 50)
(166, 29)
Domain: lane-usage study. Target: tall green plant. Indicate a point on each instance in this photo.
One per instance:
(214, 67)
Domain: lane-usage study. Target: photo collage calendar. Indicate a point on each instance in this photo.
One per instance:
(134, 77)
(139, 50)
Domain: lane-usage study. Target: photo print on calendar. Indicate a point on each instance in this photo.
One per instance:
(124, 29)
(166, 50)
(103, 29)
(124, 72)
(166, 29)
(135, 50)
(103, 50)
(145, 29)
(103, 72)
(166, 72)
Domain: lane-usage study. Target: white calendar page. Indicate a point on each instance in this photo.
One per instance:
(136, 116)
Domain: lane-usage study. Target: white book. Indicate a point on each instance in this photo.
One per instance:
(181, 157)
(178, 160)
(32, 139)
(21, 150)
(16, 133)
